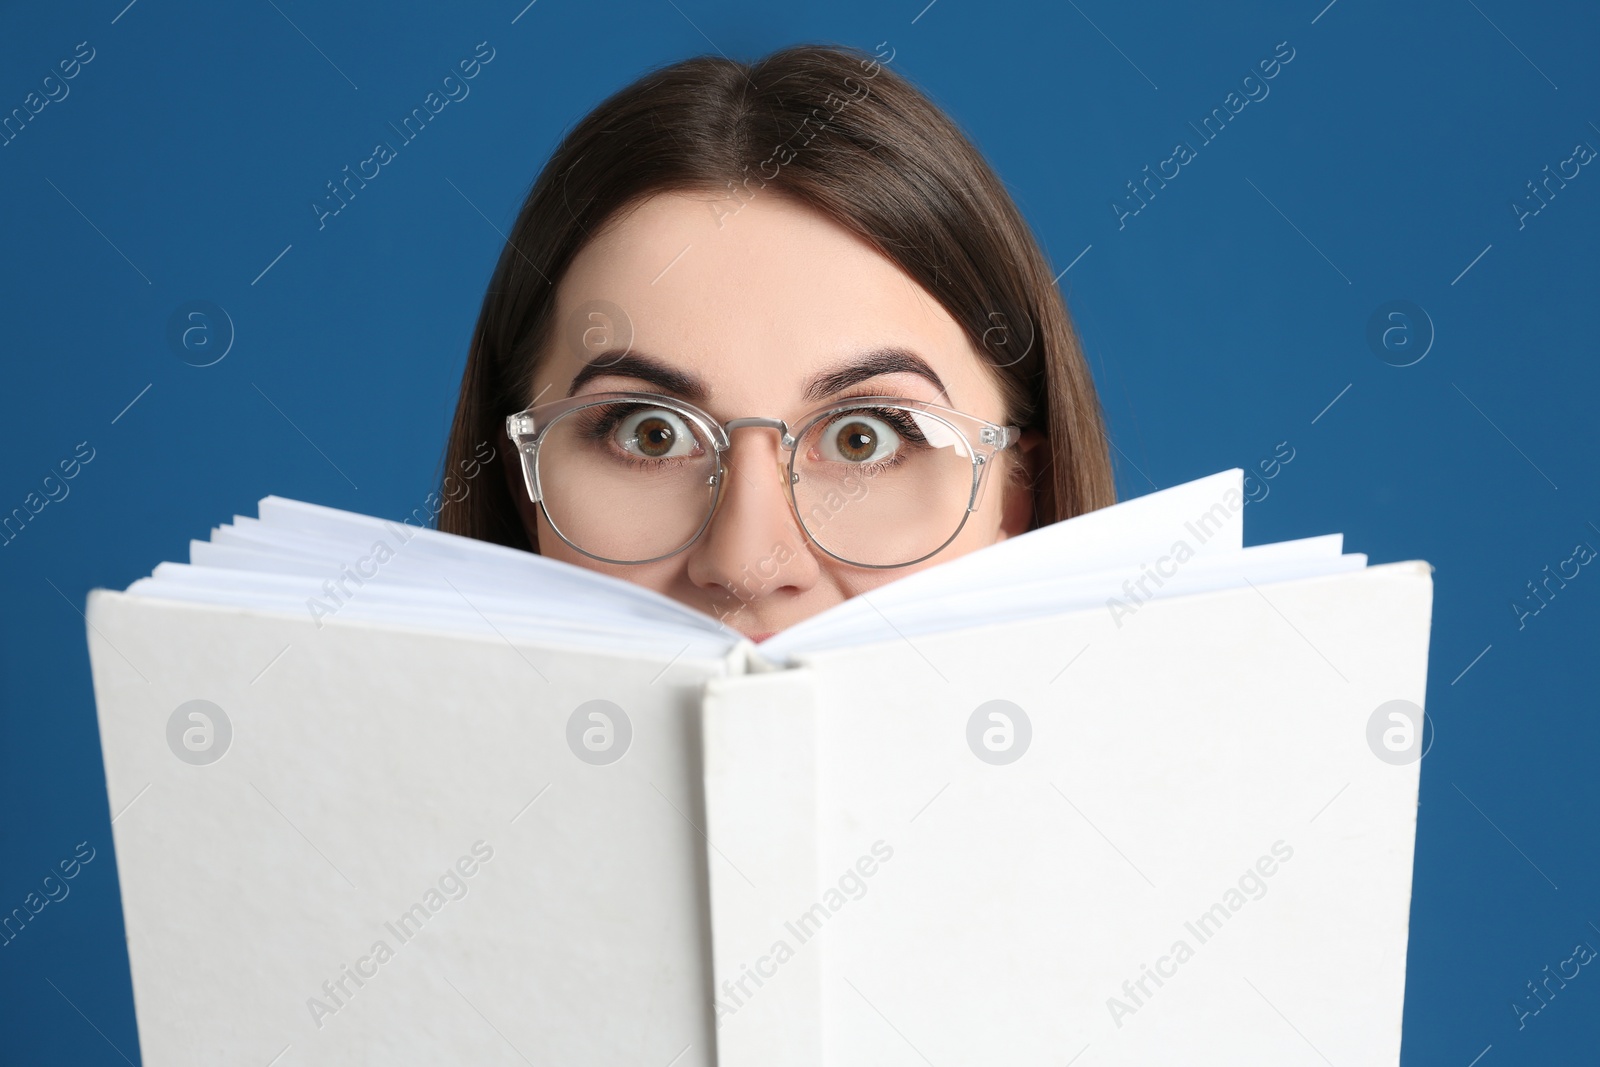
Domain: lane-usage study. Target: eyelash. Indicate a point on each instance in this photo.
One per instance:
(600, 426)
(901, 422)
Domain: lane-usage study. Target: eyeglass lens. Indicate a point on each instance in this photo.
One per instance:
(876, 486)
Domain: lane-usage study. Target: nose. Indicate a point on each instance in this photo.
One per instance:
(754, 547)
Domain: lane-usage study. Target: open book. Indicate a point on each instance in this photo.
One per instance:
(1118, 789)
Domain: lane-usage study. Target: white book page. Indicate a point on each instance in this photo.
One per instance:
(587, 623)
(347, 539)
(354, 566)
(331, 562)
(1207, 513)
(1120, 592)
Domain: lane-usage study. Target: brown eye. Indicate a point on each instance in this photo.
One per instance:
(655, 437)
(653, 433)
(858, 438)
(856, 441)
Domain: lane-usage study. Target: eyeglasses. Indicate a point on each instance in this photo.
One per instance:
(874, 481)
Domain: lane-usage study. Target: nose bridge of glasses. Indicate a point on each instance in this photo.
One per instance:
(784, 436)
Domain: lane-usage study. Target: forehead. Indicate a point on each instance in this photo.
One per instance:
(755, 299)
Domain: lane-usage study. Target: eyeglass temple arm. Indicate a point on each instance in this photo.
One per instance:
(999, 437)
(520, 428)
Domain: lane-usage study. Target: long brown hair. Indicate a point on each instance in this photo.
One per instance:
(834, 129)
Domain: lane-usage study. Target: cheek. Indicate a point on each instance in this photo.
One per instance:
(853, 581)
(662, 577)
(982, 529)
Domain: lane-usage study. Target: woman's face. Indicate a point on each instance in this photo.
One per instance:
(761, 306)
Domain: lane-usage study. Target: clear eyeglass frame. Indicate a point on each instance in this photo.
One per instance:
(982, 440)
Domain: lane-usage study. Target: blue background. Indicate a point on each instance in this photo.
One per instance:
(1222, 319)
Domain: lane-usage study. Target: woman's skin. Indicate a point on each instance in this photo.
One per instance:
(757, 307)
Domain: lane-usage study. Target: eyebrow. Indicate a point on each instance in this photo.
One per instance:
(691, 387)
(889, 360)
(667, 378)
